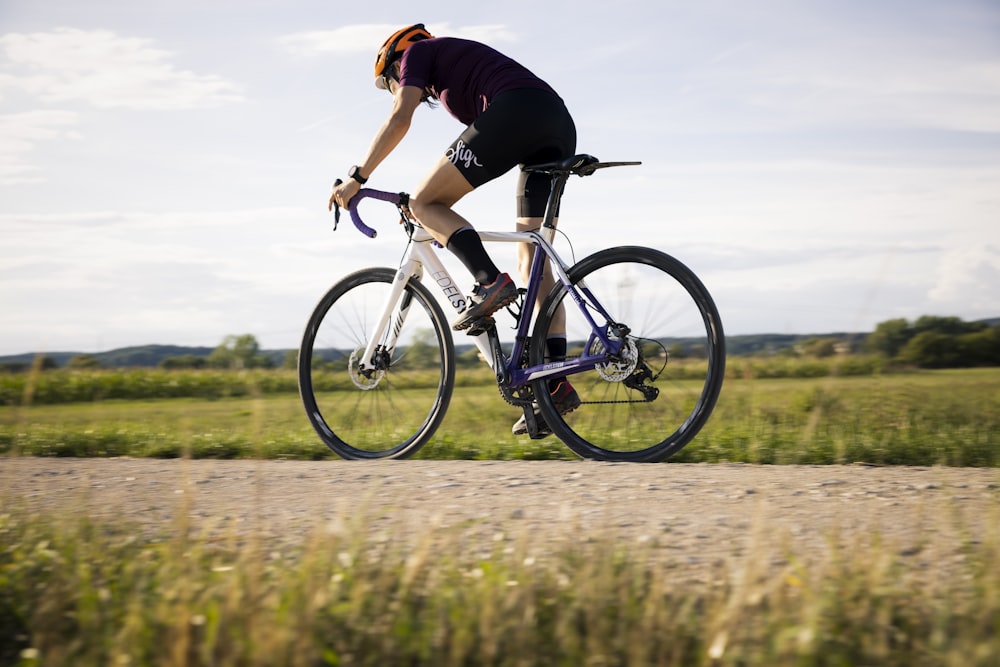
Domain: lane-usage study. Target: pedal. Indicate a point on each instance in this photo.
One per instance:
(532, 424)
(482, 325)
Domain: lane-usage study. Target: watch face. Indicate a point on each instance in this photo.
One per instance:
(354, 173)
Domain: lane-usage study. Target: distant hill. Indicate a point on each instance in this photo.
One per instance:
(755, 344)
(142, 356)
(150, 356)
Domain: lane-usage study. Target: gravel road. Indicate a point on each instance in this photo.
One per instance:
(685, 513)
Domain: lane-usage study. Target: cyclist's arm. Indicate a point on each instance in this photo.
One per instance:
(394, 129)
(405, 102)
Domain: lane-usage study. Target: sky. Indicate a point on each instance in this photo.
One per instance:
(822, 165)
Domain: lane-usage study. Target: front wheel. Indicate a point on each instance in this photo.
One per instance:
(656, 393)
(389, 406)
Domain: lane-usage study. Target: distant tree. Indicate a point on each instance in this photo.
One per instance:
(952, 326)
(291, 359)
(820, 347)
(83, 362)
(44, 362)
(470, 358)
(676, 351)
(697, 351)
(889, 337)
(931, 349)
(14, 366)
(184, 361)
(239, 352)
(422, 351)
(937, 342)
(981, 348)
(652, 350)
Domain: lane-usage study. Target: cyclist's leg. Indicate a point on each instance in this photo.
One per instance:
(432, 206)
(480, 154)
(525, 254)
(432, 201)
(555, 340)
(487, 149)
(556, 139)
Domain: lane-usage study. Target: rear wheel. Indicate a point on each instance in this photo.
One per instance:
(653, 397)
(392, 406)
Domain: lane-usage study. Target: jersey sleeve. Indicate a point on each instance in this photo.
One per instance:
(415, 65)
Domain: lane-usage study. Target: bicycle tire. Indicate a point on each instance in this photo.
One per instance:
(667, 309)
(394, 411)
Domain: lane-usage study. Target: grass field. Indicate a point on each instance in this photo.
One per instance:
(920, 418)
(76, 592)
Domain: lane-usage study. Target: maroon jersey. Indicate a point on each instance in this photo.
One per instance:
(465, 76)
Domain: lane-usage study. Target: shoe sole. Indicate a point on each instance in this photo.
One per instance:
(466, 323)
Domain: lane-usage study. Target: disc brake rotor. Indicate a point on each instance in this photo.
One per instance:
(364, 381)
(616, 370)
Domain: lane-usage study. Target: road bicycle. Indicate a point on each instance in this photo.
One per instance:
(376, 367)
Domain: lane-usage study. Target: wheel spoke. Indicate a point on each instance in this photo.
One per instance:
(394, 410)
(651, 400)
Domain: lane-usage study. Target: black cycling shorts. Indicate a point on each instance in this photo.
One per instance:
(524, 126)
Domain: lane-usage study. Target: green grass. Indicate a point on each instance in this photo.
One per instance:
(73, 592)
(927, 418)
(921, 418)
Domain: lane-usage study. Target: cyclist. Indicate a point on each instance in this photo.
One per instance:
(512, 118)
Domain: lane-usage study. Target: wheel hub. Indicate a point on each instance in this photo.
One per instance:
(363, 379)
(619, 367)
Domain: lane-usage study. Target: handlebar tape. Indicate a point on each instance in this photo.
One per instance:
(364, 193)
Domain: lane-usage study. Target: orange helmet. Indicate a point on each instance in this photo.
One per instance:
(392, 50)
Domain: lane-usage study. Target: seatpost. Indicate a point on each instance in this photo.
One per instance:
(559, 179)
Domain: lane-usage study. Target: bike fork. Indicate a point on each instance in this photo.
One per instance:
(385, 335)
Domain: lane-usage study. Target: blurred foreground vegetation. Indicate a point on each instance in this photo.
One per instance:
(77, 593)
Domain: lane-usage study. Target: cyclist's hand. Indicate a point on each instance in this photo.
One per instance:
(343, 193)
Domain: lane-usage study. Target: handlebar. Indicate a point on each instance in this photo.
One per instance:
(365, 193)
(352, 207)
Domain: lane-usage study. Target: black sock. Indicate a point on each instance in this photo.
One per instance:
(556, 348)
(468, 247)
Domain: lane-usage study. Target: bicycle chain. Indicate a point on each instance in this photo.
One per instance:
(508, 395)
(522, 397)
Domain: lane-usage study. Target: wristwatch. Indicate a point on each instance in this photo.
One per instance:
(355, 173)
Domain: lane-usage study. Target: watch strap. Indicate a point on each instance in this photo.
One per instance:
(355, 173)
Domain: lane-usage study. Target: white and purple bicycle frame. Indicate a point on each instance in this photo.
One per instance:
(421, 258)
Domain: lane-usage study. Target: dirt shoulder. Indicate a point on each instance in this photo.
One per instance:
(688, 513)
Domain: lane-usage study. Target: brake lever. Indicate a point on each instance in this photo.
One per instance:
(336, 207)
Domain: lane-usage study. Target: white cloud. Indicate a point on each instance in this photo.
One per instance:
(349, 39)
(106, 70)
(789, 163)
(909, 90)
(969, 276)
(367, 37)
(114, 278)
(20, 133)
(489, 33)
(837, 65)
